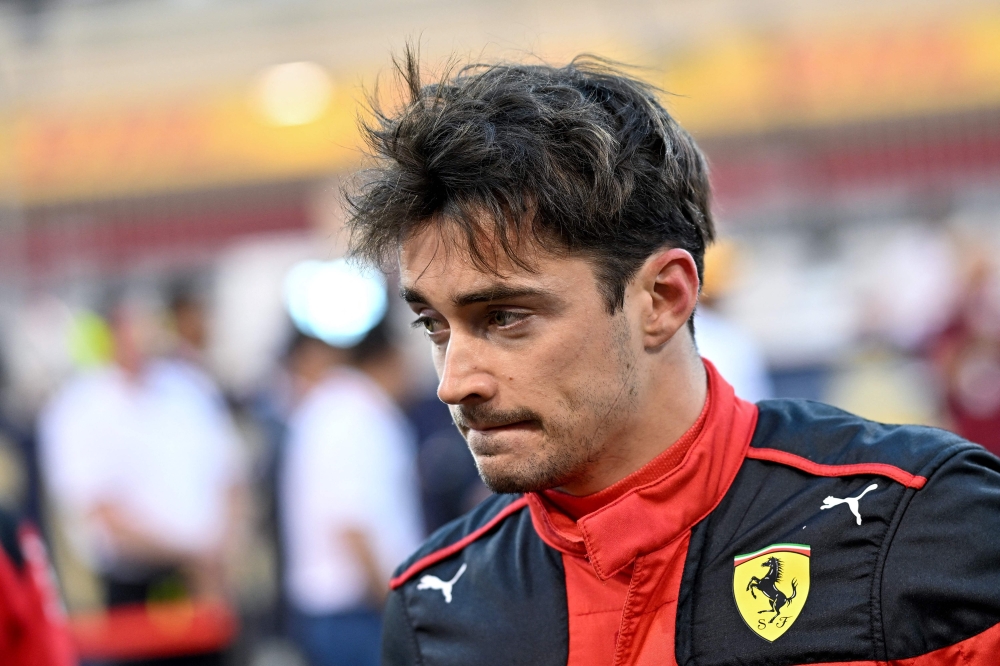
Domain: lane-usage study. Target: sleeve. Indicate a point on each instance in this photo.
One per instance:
(399, 642)
(940, 591)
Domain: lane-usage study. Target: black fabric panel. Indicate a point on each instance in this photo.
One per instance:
(770, 504)
(399, 644)
(941, 579)
(920, 573)
(8, 538)
(831, 436)
(508, 607)
(459, 528)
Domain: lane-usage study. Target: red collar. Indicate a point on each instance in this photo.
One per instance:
(663, 500)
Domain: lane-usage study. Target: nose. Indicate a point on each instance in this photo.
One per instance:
(464, 378)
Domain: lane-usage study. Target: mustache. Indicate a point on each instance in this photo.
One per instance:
(485, 416)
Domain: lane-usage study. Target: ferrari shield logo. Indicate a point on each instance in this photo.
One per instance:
(771, 586)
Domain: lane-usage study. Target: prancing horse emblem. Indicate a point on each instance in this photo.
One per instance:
(771, 587)
(768, 586)
(429, 582)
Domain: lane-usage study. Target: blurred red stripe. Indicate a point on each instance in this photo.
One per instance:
(154, 630)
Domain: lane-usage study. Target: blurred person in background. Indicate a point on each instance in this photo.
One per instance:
(732, 350)
(967, 352)
(143, 461)
(189, 322)
(348, 497)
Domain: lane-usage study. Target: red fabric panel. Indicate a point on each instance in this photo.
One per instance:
(878, 469)
(595, 612)
(624, 561)
(447, 552)
(651, 516)
(650, 616)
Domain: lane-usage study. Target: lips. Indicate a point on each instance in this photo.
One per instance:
(500, 428)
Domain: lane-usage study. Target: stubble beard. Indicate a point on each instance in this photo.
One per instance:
(573, 441)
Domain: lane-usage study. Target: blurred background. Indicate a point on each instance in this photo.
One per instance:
(170, 212)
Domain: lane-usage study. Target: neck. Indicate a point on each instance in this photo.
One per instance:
(674, 393)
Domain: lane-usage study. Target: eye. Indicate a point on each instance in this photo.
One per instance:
(428, 324)
(505, 318)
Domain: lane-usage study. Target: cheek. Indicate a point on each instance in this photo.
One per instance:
(563, 367)
(437, 358)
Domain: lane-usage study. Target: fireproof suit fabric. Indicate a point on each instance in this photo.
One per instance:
(790, 533)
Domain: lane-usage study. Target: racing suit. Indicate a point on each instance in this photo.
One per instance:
(787, 532)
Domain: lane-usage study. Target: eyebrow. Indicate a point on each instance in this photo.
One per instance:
(493, 293)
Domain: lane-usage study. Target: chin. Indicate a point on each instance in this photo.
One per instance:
(506, 474)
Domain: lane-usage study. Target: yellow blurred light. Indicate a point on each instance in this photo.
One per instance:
(295, 93)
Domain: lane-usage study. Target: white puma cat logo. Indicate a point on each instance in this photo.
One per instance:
(851, 502)
(434, 583)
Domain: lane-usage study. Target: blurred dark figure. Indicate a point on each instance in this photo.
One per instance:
(449, 482)
(968, 355)
(348, 499)
(143, 461)
(33, 629)
(189, 318)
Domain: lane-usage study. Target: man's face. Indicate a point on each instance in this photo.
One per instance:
(538, 376)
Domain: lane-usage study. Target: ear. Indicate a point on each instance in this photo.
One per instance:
(669, 284)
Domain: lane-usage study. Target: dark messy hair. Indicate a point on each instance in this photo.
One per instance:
(580, 159)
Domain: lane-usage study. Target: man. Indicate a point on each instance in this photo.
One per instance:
(549, 226)
(348, 496)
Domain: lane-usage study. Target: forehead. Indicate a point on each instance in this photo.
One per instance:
(436, 261)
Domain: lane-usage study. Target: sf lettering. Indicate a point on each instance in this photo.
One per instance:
(779, 622)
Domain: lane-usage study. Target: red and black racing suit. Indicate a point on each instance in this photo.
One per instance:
(646, 572)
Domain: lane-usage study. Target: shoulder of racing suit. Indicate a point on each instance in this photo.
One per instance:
(483, 589)
(915, 573)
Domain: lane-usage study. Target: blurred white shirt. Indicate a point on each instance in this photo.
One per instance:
(162, 448)
(348, 464)
(734, 354)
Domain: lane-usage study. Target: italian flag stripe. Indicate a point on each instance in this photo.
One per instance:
(799, 548)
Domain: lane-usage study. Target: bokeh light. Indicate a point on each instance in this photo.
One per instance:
(294, 93)
(334, 301)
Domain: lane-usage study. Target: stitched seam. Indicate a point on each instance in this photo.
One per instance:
(649, 611)
(875, 623)
(600, 612)
(624, 638)
(413, 629)
(877, 618)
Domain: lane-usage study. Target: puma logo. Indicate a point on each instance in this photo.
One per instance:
(434, 583)
(851, 502)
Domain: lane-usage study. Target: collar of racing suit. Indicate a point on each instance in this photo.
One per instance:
(660, 502)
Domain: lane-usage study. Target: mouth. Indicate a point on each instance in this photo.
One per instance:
(505, 427)
(487, 440)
